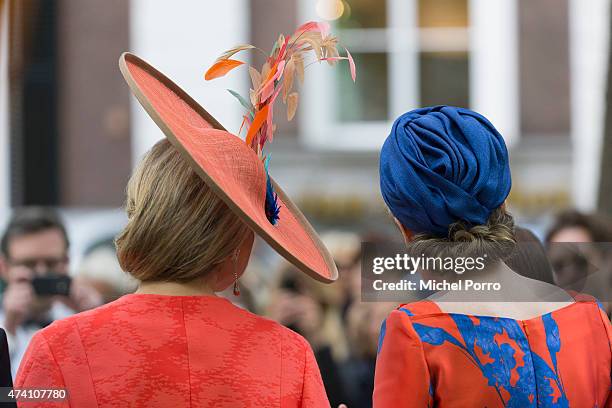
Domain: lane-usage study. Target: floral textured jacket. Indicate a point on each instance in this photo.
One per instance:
(172, 351)
(428, 358)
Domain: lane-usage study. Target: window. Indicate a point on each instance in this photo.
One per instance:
(361, 28)
(409, 53)
(444, 78)
(444, 52)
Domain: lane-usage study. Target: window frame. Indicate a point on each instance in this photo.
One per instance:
(491, 43)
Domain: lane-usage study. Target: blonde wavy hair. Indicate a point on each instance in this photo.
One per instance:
(496, 239)
(178, 230)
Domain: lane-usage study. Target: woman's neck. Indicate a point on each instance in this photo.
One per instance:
(175, 288)
(512, 287)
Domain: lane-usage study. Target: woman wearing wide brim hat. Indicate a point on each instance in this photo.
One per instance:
(193, 205)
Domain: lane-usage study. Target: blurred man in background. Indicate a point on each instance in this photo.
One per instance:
(34, 267)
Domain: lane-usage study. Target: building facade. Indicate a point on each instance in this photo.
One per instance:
(536, 68)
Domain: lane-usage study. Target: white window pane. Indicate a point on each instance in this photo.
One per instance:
(367, 99)
(444, 78)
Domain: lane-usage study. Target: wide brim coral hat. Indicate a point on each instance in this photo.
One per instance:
(228, 166)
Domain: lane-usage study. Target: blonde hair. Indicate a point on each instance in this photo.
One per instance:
(496, 239)
(178, 229)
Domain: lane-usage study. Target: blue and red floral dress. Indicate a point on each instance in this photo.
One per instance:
(428, 358)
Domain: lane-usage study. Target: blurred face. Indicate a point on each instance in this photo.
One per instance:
(36, 254)
(353, 281)
(572, 234)
(570, 267)
(364, 322)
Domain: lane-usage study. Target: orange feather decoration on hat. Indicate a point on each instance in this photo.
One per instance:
(277, 77)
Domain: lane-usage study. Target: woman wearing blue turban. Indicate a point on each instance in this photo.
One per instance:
(445, 175)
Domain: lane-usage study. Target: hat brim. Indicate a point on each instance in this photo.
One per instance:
(219, 157)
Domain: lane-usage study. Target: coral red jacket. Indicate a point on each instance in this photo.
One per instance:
(173, 351)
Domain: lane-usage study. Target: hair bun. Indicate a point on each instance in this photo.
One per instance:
(499, 228)
(495, 239)
(458, 233)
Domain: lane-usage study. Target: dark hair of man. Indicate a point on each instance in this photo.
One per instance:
(31, 220)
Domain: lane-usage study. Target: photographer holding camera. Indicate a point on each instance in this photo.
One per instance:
(34, 267)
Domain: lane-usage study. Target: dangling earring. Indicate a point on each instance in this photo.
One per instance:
(235, 259)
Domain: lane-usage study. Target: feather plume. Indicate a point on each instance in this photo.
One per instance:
(220, 68)
(277, 75)
(229, 53)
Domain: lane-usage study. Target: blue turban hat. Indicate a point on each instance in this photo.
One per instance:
(441, 165)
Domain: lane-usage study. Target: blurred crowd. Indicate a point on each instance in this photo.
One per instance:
(38, 287)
